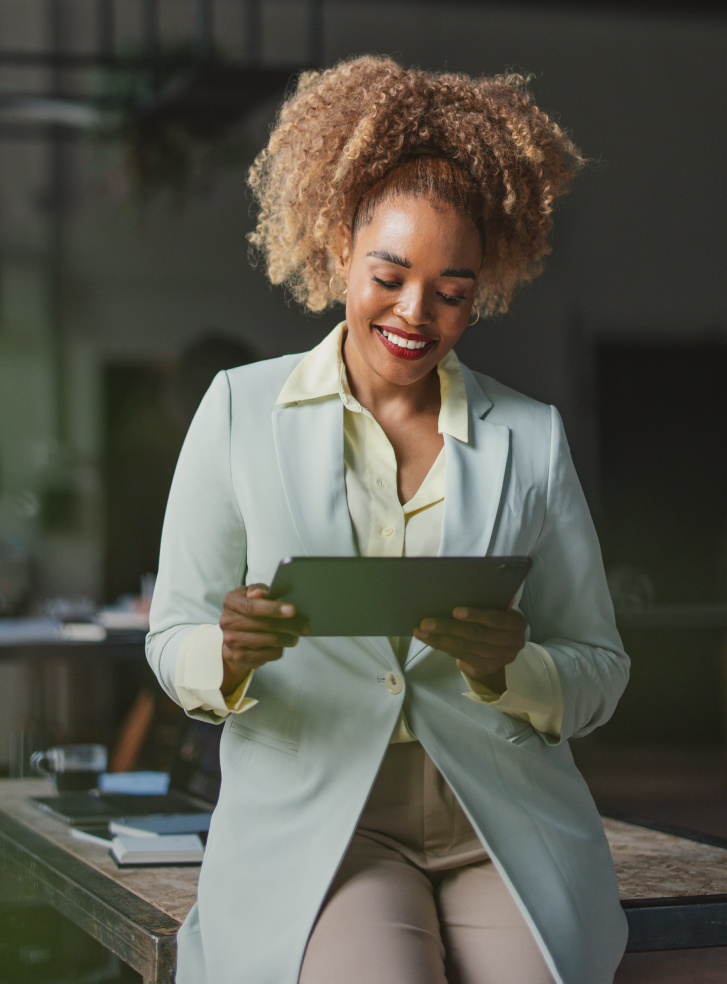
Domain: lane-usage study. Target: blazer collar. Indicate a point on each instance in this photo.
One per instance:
(478, 401)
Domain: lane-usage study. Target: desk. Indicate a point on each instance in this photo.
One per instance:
(135, 913)
(674, 890)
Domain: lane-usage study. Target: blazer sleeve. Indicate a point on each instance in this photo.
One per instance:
(567, 603)
(203, 547)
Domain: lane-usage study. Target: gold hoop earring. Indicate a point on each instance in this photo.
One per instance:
(470, 323)
(330, 286)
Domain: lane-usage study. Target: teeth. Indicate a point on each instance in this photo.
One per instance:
(407, 343)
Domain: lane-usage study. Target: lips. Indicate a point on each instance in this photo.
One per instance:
(403, 344)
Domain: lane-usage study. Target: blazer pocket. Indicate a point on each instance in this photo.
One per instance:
(272, 741)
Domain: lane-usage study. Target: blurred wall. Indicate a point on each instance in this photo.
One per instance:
(639, 246)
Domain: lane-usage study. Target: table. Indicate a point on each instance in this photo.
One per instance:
(673, 889)
(135, 913)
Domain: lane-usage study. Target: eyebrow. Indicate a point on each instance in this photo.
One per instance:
(380, 254)
(390, 258)
(463, 272)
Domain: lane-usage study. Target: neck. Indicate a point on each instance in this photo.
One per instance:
(377, 394)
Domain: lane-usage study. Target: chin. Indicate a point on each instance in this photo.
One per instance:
(403, 372)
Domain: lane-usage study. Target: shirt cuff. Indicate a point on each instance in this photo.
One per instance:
(533, 690)
(199, 671)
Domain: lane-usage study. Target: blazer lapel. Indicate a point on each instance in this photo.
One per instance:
(309, 447)
(474, 477)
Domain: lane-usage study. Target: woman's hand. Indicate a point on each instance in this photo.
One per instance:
(255, 630)
(482, 641)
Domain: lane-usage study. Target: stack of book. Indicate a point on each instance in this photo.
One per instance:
(174, 839)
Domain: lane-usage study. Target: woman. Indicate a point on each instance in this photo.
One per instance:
(403, 811)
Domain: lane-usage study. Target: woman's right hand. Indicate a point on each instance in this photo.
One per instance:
(255, 630)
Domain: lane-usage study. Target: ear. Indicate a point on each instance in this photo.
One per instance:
(343, 258)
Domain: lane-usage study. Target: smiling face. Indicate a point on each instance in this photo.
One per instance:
(411, 275)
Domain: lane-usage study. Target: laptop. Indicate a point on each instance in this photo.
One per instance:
(194, 785)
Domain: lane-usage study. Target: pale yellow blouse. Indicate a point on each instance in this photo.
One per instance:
(383, 527)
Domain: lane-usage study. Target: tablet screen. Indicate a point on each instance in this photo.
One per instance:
(389, 596)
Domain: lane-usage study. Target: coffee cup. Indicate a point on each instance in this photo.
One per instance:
(73, 767)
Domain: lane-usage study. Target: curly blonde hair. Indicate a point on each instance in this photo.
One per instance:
(368, 129)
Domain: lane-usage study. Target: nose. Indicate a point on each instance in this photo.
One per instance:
(412, 306)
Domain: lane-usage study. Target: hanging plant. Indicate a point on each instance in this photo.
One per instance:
(177, 118)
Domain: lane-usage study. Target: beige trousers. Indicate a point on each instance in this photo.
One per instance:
(416, 900)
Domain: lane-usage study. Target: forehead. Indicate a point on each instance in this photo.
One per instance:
(421, 227)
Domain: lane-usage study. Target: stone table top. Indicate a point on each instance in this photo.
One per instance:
(650, 864)
(173, 890)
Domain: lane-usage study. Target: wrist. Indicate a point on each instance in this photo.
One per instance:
(232, 676)
(496, 682)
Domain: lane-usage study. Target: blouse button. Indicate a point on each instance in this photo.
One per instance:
(393, 682)
(380, 482)
(387, 531)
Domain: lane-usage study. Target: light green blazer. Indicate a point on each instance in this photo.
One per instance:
(256, 483)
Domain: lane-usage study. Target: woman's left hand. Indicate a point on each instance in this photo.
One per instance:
(483, 641)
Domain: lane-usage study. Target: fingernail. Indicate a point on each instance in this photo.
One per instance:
(461, 612)
(287, 610)
(428, 625)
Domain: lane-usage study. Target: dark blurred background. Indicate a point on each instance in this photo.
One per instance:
(126, 128)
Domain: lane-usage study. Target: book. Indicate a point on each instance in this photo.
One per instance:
(135, 783)
(171, 849)
(93, 833)
(162, 824)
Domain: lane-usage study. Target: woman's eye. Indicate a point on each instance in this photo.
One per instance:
(394, 285)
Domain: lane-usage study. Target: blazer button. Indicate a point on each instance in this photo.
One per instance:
(393, 682)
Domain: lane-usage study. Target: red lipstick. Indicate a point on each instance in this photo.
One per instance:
(422, 342)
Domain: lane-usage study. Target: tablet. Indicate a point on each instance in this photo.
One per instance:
(389, 596)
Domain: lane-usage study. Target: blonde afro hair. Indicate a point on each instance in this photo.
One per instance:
(368, 129)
